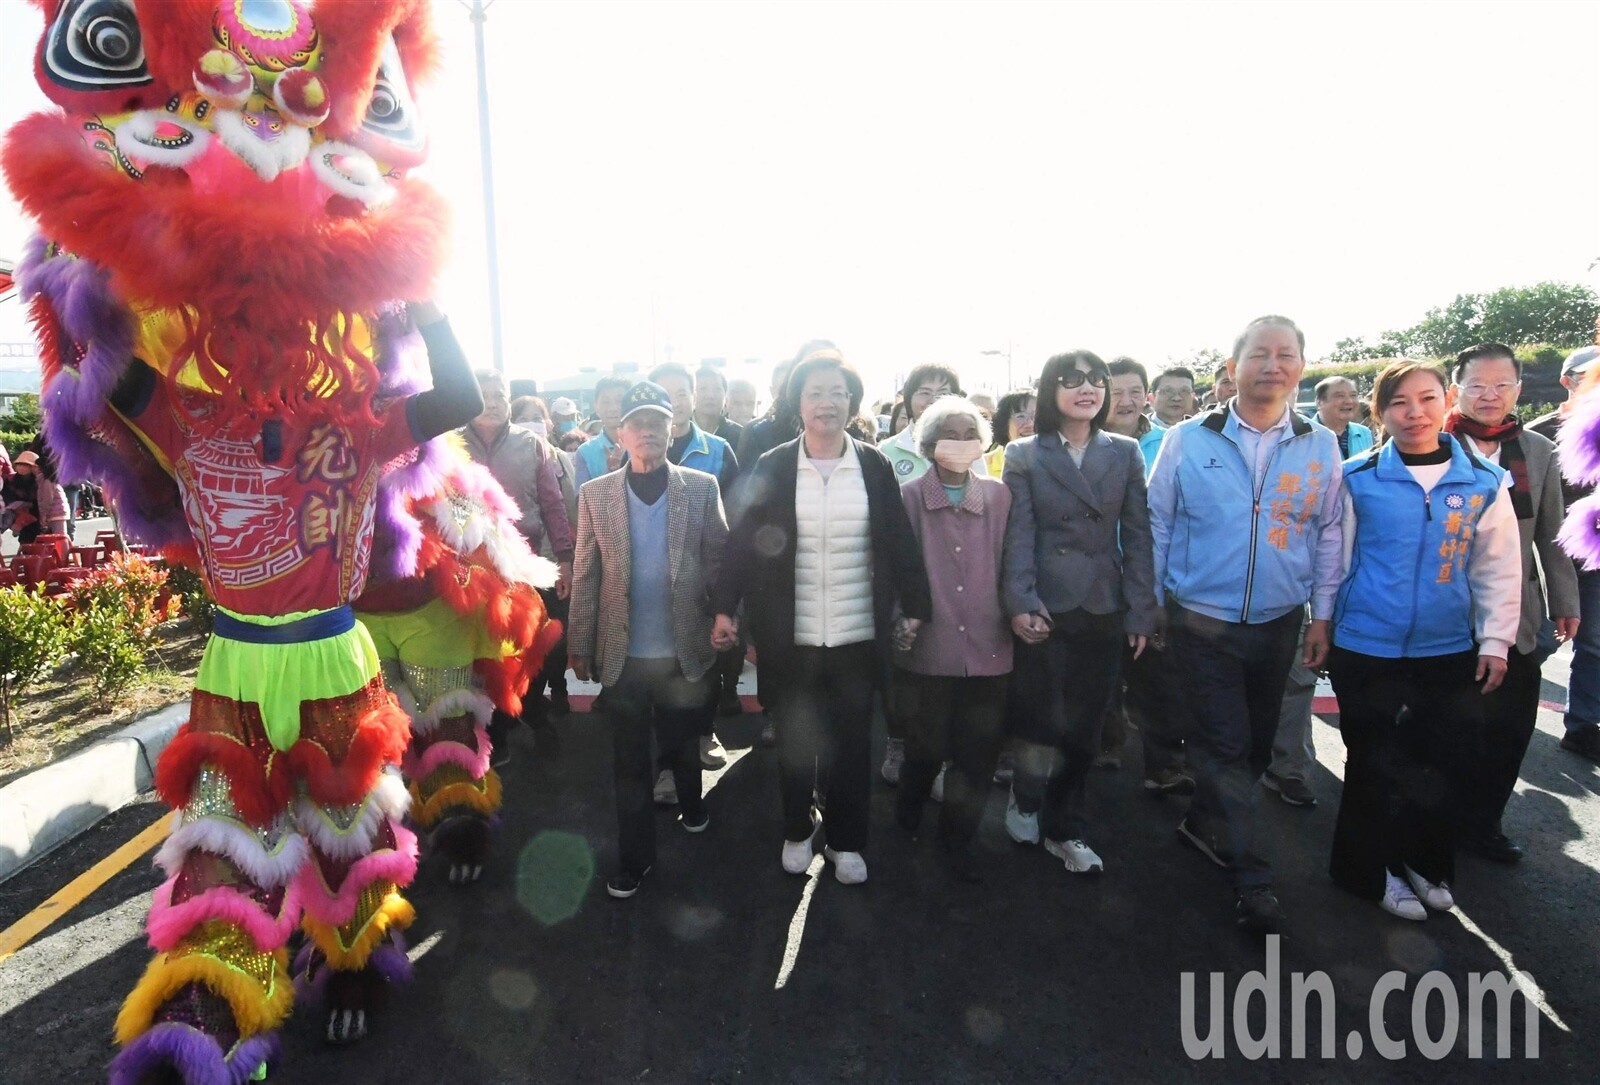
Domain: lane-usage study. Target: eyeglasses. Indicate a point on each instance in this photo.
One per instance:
(1478, 391)
(1075, 378)
(1022, 416)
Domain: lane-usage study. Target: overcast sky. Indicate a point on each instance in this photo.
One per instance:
(928, 181)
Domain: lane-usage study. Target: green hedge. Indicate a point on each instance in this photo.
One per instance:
(1541, 363)
(15, 442)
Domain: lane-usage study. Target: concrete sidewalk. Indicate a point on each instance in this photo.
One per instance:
(51, 805)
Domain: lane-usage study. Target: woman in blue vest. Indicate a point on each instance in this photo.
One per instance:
(1428, 609)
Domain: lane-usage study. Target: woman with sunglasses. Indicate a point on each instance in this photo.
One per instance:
(1079, 578)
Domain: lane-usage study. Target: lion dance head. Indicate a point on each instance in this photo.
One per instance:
(239, 170)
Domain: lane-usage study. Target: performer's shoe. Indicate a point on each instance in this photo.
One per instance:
(464, 841)
(352, 997)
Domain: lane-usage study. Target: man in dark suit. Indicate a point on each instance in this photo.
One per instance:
(650, 541)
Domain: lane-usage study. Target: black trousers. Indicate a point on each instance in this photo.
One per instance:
(824, 698)
(1068, 680)
(955, 719)
(1146, 696)
(1510, 714)
(652, 698)
(1413, 732)
(1234, 676)
(553, 675)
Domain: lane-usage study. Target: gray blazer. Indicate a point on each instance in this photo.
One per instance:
(1079, 537)
(1560, 587)
(602, 567)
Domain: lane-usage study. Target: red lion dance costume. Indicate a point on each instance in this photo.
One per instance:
(228, 236)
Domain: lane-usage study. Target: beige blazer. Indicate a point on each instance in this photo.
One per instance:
(697, 530)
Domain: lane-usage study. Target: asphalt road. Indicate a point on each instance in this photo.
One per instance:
(726, 969)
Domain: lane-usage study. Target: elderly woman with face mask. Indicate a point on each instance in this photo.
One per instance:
(951, 683)
(1079, 578)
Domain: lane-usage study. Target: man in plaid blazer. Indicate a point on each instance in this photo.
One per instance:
(650, 541)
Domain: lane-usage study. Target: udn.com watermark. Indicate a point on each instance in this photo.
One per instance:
(1490, 995)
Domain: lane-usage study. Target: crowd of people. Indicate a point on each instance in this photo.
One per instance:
(1122, 549)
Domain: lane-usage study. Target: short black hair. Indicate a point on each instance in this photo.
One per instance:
(825, 358)
(710, 371)
(1271, 320)
(1176, 371)
(605, 384)
(1010, 404)
(1121, 367)
(1325, 385)
(1482, 352)
(924, 373)
(671, 369)
(1047, 416)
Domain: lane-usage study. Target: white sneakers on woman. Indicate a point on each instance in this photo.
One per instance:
(797, 853)
(848, 866)
(1399, 900)
(1021, 827)
(1435, 896)
(1078, 856)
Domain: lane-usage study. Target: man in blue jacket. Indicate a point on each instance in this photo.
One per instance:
(1245, 514)
(1337, 401)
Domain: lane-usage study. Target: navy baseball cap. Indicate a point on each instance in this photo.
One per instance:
(646, 396)
(1579, 361)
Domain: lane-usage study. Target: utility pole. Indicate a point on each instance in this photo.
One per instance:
(479, 12)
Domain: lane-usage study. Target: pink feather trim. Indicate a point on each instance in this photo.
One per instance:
(335, 909)
(168, 923)
(474, 762)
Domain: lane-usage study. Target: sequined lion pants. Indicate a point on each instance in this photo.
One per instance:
(428, 656)
(289, 811)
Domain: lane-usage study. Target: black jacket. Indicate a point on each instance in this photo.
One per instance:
(758, 565)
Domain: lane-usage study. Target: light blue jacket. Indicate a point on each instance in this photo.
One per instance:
(1150, 444)
(1408, 593)
(1360, 437)
(1240, 549)
(591, 458)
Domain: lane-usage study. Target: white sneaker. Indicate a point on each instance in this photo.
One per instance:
(1023, 828)
(937, 794)
(797, 853)
(894, 755)
(666, 789)
(1398, 899)
(1078, 856)
(1434, 895)
(712, 755)
(848, 866)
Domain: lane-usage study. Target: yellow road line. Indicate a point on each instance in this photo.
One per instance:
(73, 893)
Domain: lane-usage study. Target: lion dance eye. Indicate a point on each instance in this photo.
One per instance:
(383, 105)
(95, 45)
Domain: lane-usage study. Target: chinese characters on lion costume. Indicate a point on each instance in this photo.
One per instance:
(228, 239)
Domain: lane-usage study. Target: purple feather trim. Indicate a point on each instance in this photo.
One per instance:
(308, 986)
(195, 1055)
(1579, 441)
(390, 962)
(397, 535)
(1580, 532)
(402, 356)
(90, 319)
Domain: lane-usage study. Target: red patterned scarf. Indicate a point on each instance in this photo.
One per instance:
(1511, 457)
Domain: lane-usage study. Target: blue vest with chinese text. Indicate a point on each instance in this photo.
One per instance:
(1406, 594)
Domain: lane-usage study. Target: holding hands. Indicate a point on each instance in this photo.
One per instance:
(724, 632)
(1031, 628)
